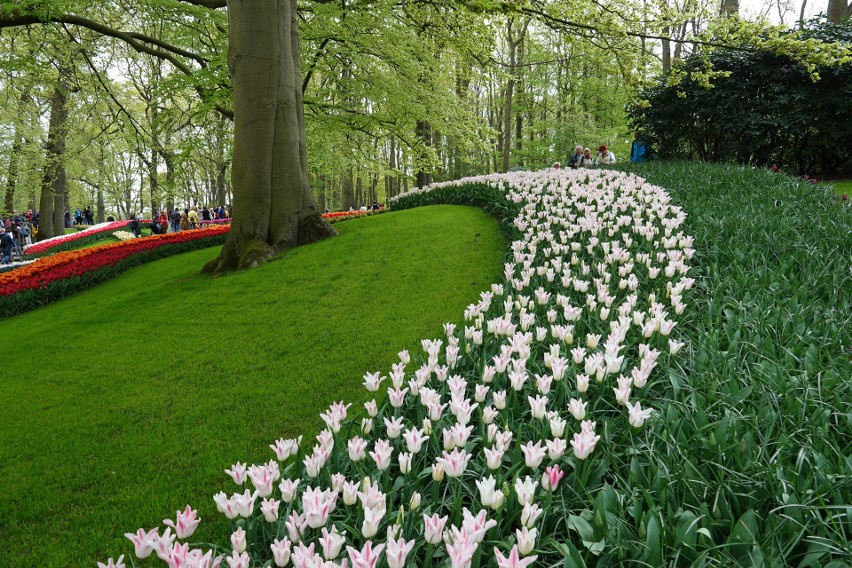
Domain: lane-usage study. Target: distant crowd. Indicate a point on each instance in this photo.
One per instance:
(179, 219)
(16, 231)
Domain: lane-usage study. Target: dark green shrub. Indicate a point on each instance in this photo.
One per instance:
(767, 111)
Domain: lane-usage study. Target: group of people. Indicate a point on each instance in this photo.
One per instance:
(183, 220)
(84, 216)
(16, 231)
(582, 158)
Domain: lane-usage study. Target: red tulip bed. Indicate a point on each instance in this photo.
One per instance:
(338, 216)
(65, 273)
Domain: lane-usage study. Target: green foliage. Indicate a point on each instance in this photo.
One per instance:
(130, 399)
(750, 463)
(761, 107)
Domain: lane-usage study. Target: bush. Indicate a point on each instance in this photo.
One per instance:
(766, 111)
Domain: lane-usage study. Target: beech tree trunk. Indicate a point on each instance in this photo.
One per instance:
(273, 206)
(53, 185)
(837, 10)
(729, 8)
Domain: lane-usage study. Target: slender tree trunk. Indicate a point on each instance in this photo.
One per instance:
(12, 176)
(53, 186)
(347, 192)
(424, 133)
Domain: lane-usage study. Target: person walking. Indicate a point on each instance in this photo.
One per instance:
(6, 244)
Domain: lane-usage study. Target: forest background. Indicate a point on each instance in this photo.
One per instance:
(395, 94)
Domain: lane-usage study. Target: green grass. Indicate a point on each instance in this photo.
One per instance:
(841, 187)
(126, 402)
(756, 441)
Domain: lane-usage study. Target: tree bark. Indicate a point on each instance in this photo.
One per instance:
(424, 134)
(347, 194)
(53, 185)
(12, 177)
(273, 206)
(837, 10)
(730, 8)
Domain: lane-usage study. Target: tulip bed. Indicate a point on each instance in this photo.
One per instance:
(62, 274)
(337, 216)
(74, 240)
(493, 447)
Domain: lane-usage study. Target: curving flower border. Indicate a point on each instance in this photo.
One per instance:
(93, 233)
(466, 455)
(61, 274)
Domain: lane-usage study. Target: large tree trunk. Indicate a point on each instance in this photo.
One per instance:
(837, 10)
(53, 186)
(273, 206)
(731, 8)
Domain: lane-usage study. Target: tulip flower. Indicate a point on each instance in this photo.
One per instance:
(397, 551)
(331, 543)
(357, 447)
(577, 408)
(533, 454)
(366, 557)
(237, 473)
(113, 563)
(269, 508)
(382, 454)
(454, 463)
(637, 416)
(281, 551)
(434, 528)
(551, 477)
(237, 560)
(530, 514)
(143, 542)
(526, 540)
(288, 488)
(513, 560)
(486, 490)
(372, 381)
(525, 490)
(414, 502)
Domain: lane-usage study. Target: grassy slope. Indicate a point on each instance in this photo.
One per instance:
(757, 429)
(126, 402)
(842, 187)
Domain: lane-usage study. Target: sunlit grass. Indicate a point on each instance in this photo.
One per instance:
(126, 401)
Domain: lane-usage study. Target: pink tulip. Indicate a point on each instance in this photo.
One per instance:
(237, 473)
(281, 551)
(513, 560)
(143, 542)
(434, 527)
(365, 558)
(238, 540)
(113, 563)
(454, 463)
(186, 522)
(382, 454)
(236, 560)
(551, 478)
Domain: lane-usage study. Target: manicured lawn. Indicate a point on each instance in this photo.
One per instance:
(126, 402)
(842, 187)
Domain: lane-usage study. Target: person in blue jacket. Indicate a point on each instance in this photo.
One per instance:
(639, 149)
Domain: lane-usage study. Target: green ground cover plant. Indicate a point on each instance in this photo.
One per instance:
(752, 463)
(126, 401)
